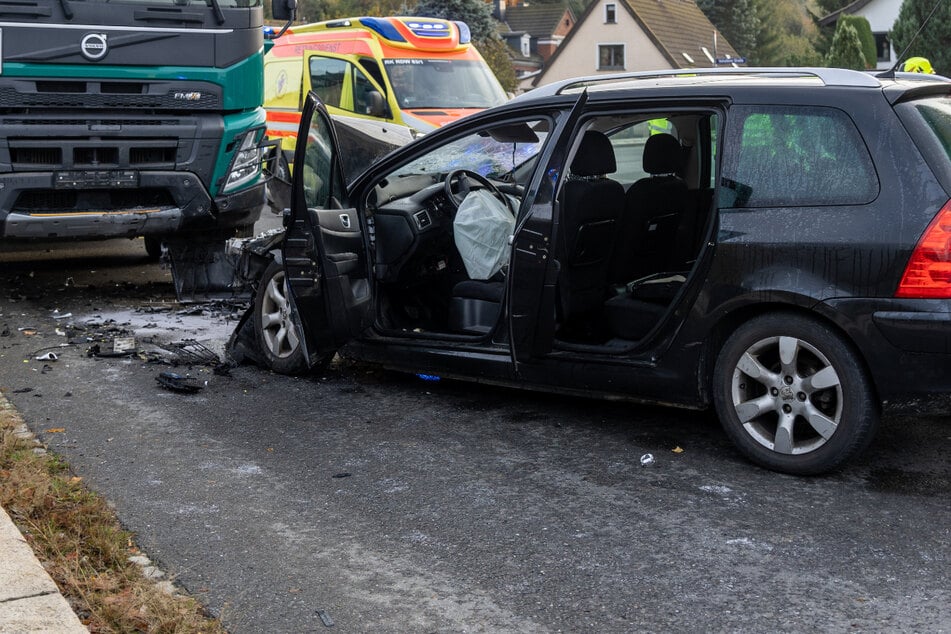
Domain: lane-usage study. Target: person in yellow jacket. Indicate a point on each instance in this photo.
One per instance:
(918, 65)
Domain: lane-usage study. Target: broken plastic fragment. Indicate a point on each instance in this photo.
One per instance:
(647, 459)
(325, 618)
(96, 350)
(429, 377)
(123, 344)
(49, 356)
(179, 382)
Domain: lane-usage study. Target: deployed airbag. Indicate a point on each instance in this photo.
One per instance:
(481, 230)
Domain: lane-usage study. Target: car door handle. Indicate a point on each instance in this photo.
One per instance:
(345, 220)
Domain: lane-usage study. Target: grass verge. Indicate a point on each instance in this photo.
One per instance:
(82, 545)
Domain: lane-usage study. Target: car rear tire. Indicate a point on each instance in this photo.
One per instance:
(276, 329)
(793, 396)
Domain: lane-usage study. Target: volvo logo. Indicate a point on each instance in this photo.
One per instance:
(94, 47)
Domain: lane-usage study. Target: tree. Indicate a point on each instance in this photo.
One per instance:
(495, 53)
(846, 51)
(478, 16)
(934, 38)
(864, 30)
(736, 19)
(476, 13)
(825, 7)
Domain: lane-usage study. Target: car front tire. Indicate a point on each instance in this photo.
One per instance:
(277, 332)
(793, 396)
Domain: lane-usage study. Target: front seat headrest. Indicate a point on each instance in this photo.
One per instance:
(595, 156)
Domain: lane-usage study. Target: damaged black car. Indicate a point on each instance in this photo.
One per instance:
(775, 243)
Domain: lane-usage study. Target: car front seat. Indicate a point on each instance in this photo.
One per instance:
(653, 207)
(592, 204)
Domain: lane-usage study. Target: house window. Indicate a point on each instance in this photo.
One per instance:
(610, 13)
(884, 46)
(610, 57)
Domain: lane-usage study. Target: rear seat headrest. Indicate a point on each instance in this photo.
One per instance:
(662, 154)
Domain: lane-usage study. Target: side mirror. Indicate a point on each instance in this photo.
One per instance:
(283, 9)
(376, 106)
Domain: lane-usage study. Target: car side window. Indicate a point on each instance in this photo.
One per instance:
(789, 156)
(340, 84)
(326, 79)
(323, 187)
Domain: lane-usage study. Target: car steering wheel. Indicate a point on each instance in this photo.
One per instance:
(461, 175)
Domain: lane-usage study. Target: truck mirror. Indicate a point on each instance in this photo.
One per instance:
(283, 9)
(376, 105)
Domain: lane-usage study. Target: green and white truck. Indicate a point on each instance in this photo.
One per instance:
(126, 118)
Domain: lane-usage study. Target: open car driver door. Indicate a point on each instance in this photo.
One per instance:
(534, 268)
(324, 253)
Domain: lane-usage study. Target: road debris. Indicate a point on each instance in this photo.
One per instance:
(180, 382)
(191, 351)
(325, 618)
(647, 460)
(109, 351)
(49, 356)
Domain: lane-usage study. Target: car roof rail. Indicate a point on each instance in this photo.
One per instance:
(828, 76)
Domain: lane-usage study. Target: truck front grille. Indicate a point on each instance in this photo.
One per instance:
(36, 156)
(77, 201)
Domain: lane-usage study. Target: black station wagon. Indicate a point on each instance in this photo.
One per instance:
(772, 242)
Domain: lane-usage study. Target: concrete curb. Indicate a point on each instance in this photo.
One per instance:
(29, 600)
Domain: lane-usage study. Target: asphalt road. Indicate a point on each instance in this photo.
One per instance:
(387, 504)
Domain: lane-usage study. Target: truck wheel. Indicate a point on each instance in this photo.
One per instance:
(153, 247)
(793, 396)
(275, 327)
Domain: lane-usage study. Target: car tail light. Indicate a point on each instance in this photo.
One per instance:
(928, 274)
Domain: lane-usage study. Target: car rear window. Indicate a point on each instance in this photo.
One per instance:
(791, 156)
(928, 121)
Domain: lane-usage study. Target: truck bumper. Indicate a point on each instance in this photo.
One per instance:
(124, 203)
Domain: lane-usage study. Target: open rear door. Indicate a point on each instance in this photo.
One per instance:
(534, 268)
(324, 252)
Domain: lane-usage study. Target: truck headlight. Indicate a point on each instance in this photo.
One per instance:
(246, 164)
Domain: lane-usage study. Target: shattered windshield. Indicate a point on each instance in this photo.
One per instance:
(493, 152)
(443, 83)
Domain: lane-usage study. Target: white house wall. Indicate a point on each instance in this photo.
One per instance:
(881, 16)
(581, 56)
